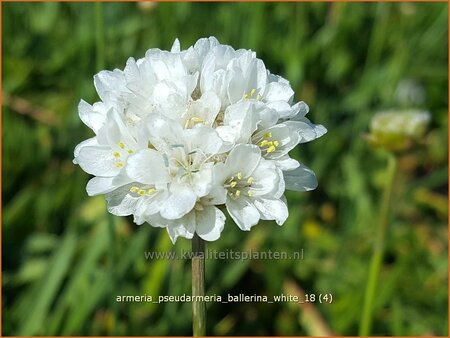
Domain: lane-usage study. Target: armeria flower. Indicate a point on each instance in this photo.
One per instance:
(180, 135)
(398, 130)
(253, 187)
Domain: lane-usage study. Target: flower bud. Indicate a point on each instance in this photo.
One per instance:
(397, 130)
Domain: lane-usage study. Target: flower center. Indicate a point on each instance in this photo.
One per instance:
(251, 95)
(121, 154)
(184, 165)
(141, 191)
(267, 144)
(238, 185)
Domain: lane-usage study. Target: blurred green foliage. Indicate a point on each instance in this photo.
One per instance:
(65, 260)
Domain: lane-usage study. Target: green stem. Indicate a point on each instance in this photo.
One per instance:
(112, 269)
(378, 249)
(99, 37)
(198, 286)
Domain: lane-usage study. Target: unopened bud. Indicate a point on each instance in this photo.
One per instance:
(397, 130)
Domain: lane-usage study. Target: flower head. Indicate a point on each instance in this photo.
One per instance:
(179, 134)
(398, 130)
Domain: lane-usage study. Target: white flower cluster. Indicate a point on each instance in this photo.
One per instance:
(180, 133)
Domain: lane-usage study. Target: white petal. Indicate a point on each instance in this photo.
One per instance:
(147, 166)
(266, 116)
(206, 75)
(98, 161)
(203, 46)
(183, 227)
(206, 108)
(204, 139)
(266, 178)
(92, 116)
(154, 203)
(109, 84)
(236, 85)
(320, 130)
(175, 47)
(244, 214)
(243, 158)
(89, 142)
(272, 209)
(181, 201)
(216, 196)
(282, 108)
(165, 65)
(306, 130)
(227, 134)
(279, 185)
(258, 75)
(298, 111)
(139, 78)
(163, 132)
(114, 132)
(249, 74)
(122, 203)
(300, 179)
(278, 91)
(121, 178)
(100, 185)
(154, 220)
(286, 163)
(210, 222)
(202, 181)
(242, 119)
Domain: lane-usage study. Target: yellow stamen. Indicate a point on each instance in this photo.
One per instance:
(263, 143)
(134, 189)
(271, 149)
(238, 193)
(239, 175)
(268, 135)
(151, 191)
(119, 165)
(250, 94)
(116, 154)
(130, 151)
(121, 145)
(196, 119)
(250, 193)
(141, 192)
(233, 184)
(276, 143)
(250, 180)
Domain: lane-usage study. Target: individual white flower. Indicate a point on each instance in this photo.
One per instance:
(238, 123)
(236, 75)
(105, 156)
(203, 111)
(205, 219)
(398, 130)
(253, 187)
(140, 200)
(180, 133)
(182, 158)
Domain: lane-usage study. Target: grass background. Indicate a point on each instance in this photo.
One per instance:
(64, 259)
